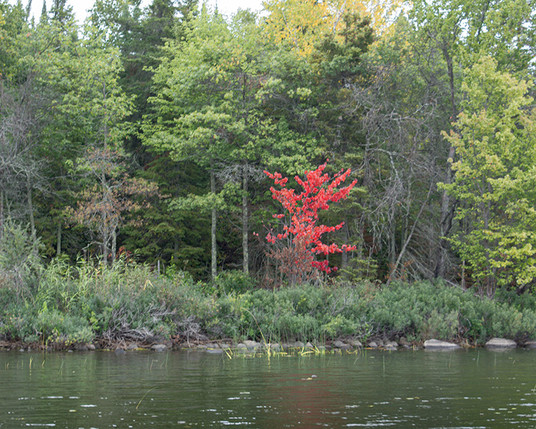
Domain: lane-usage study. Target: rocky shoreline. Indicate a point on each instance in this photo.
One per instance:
(230, 347)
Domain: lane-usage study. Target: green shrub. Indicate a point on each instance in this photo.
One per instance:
(338, 326)
(53, 326)
(16, 321)
(439, 325)
(302, 327)
(129, 301)
(233, 282)
(20, 263)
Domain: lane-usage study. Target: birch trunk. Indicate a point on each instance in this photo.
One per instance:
(213, 244)
(245, 223)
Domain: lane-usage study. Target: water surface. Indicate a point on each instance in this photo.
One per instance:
(470, 389)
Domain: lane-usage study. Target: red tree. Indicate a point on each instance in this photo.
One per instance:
(298, 258)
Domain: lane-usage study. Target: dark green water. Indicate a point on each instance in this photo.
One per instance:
(470, 389)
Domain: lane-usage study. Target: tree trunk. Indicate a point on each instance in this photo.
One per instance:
(344, 256)
(408, 239)
(445, 223)
(114, 246)
(58, 240)
(447, 209)
(213, 244)
(105, 241)
(30, 208)
(245, 223)
(1, 214)
(104, 253)
(392, 244)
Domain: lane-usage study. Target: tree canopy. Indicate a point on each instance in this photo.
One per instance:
(148, 128)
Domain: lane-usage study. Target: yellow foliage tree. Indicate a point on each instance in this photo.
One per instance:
(301, 23)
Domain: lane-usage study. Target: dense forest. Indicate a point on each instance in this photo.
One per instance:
(144, 134)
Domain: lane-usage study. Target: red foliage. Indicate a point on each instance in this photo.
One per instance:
(303, 230)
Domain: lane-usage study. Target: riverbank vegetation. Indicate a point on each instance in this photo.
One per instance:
(83, 303)
(137, 152)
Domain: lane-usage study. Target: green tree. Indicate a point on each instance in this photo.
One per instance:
(85, 134)
(451, 35)
(214, 106)
(494, 178)
(95, 94)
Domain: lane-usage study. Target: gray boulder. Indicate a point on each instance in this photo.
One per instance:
(391, 346)
(340, 345)
(355, 343)
(440, 345)
(159, 347)
(501, 343)
(252, 345)
(531, 344)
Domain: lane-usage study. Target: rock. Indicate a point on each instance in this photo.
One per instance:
(439, 345)
(391, 344)
(159, 347)
(212, 346)
(355, 343)
(241, 346)
(119, 352)
(91, 346)
(81, 347)
(531, 344)
(201, 347)
(133, 346)
(299, 345)
(309, 345)
(501, 343)
(391, 348)
(215, 351)
(275, 347)
(373, 345)
(225, 346)
(252, 345)
(340, 345)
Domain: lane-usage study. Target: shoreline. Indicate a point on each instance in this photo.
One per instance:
(248, 347)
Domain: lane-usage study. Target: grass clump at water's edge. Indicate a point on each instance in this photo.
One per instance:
(129, 302)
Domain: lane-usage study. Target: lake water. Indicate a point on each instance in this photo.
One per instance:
(469, 389)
